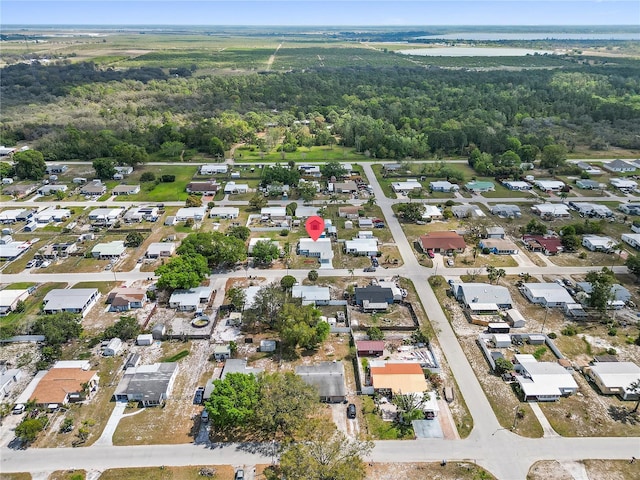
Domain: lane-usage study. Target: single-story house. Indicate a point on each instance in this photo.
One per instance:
(365, 222)
(362, 246)
(619, 166)
(310, 171)
(343, 187)
(10, 298)
(144, 339)
(590, 169)
(370, 348)
(320, 249)
(311, 294)
(552, 210)
(56, 250)
(623, 184)
(517, 185)
(432, 212)
(10, 250)
(543, 381)
(94, 189)
(203, 188)
(50, 189)
(591, 209)
(467, 211)
(614, 378)
(349, 212)
(397, 378)
(589, 184)
(254, 241)
(392, 167)
(73, 300)
(113, 347)
(113, 249)
(231, 365)
(406, 186)
(470, 294)
(213, 168)
(195, 213)
(598, 243)
(373, 295)
(106, 215)
(126, 190)
(499, 246)
(630, 208)
(190, 300)
(224, 212)
(306, 211)
(160, 249)
(619, 294)
(548, 294)
(126, 298)
(20, 190)
(56, 169)
(11, 216)
(632, 239)
(150, 385)
(221, 352)
(547, 244)
(443, 186)
(52, 214)
(328, 378)
(273, 213)
(235, 188)
(63, 383)
(494, 232)
(442, 242)
(480, 186)
(395, 290)
(124, 170)
(549, 185)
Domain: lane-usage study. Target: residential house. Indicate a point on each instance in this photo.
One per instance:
(213, 168)
(543, 381)
(10, 249)
(370, 348)
(73, 300)
(443, 186)
(51, 189)
(320, 249)
(343, 187)
(113, 348)
(630, 208)
(550, 185)
(210, 187)
(151, 385)
(312, 171)
(254, 241)
(106, 216)
(517, 185)
(273, 213)
(56, 169)
(623, 184)
(482, 296)
(591, 209)
(552, 210)
(574, 310)
(406, 186)
(632, 239)
(480, 186)
(124, 170)
(349, 212)
(311, 294)
(467, 211)
(52, 214)
(619, 294)
(105, 251)
(306, 211)
(591, 170)
(547, 294)
(598, 243)
(373, 297)
(619, 166)
(494, 232)
(547, 244)
(392, 167)
(589, 184)
(57, 250)
(19, 191)
(191, 299)
(614, 378)
(11, 216)
(137, 214)
(126, 190)
(64, 383)
(362, 246)
(195, 213)
(235, 188)
(327, 378)
(94, 189)
(364, 222)
(431, 212)
(9, 299)
(126, 298)
(221, 352)
(395, 290)
(444, 242)
(224, 212)
(499, 246)
(231, 365)
(160, 249)
(397, 378)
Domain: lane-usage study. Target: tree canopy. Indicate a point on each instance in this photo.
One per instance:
(29, 164)
(183, 271)
(233, 400)
(218, 249)
(265, 252)
(411, 212)
(105, 168)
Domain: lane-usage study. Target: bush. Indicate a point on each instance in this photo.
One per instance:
(284, 232)
(569, 331)
(539, 352)
(148, 177)
(612, 351)
(313, 275)
(552, 336)
(168, 178)
(613, 331)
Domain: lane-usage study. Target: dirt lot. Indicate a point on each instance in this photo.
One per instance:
(597, 469)
(421, 471)
(223, 472)
(396, 316)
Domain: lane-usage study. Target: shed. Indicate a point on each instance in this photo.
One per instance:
(515, 318)
(132, 361)
(221, 352)
(158, 331)
(267, 345)
(536, 339)
(501, 340)
(144, 339)
(498, 327)
(370, 348)
(113, 347)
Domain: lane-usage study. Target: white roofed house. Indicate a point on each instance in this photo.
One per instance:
(213, 168)
(591, 209)
(362, 246)
(482, 297)
(52, 214)
(234, 188)
(124, 170)
(73, 300)
(598, 243)
(126, 190)
(160, 249)
(9, 300)
(517, 185)
(614, 378)
(195, 213)
(632, 239)
(320, 249)
(547, 294)
(311, 294)
(51, 189)
(151, 385)
(343, 187)
(94, 189)
(327, 378)
(432, 212)
(619, 166)
(254, 241)
(107, 215)
(406, 186)
(543, 381)
(224, 212)
(549, 185)
(552, 210)
(191, 299)
(273, 213)
(623, 184)
(113, 249)
(443, 186)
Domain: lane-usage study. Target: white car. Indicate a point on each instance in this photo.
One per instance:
(45, 264)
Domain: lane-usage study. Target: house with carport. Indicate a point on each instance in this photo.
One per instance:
(72, 300)
(614, 378)
(311, 294)
(327, 378)
(224, 212)
(190, 300)
(551, 294)
(543, 381)
(160, 249)
(150, 385)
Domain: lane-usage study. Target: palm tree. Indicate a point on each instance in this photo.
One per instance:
(563, 196)
(351, 273)
(635, 388)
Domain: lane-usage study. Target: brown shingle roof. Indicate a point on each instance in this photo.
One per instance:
(59, 382)
(442, 241)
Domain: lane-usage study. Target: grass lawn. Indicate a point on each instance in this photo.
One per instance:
(162, 192)
(303, 154)
(503, 192)
(378, 429)
(103, 287)
(68, 475)
(422, 471)
(16, 322)
(20, 286)
(223, 472)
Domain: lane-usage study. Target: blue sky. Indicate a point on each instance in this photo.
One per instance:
(320, 12)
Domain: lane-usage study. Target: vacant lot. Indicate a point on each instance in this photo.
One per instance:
(596, 469)
(421, 471)
(222, 472)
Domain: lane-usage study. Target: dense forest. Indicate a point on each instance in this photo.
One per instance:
(79, 111)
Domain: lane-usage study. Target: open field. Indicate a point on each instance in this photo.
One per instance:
(604, 469)
(421, 471)
(222, 472)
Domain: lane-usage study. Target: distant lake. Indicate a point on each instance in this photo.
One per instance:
(472, 52)
(533, 36)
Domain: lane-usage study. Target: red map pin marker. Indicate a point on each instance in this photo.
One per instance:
(314, 226)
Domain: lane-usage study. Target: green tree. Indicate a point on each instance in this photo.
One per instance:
(411, 212)
(503, 366)
(134, 239)
(233, 401)
(333, 169)
(59, 194)
(286, 402)
(410, 407)
(634, 388)
(291, 209)
(528, 153)
(6, 170)
(265, 252)
(601, 292)
(323, 453)
(171, 149)
(128, 154)
(633, 264)
(570, 242)
(300, 326)
(29, 428)
(58, 328)
(219, 249)
(374, 333)
(127, 328)
(258, 202)
(184, 271)
(534, 227)
(268, 303)
(236, 297)
(553, 156)
(29, 165)
(307, 191)
(193, 201)
(288, 281)
(216, 147)
(239, 231)
(312, 275)
(148, 177)
(105, 168)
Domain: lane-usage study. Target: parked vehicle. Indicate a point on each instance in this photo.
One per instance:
(198, 397)
(370, 269)
(450, 262)
(239, 475)
(351, 411)
(18, 409)
(30, 263)
(430, 254)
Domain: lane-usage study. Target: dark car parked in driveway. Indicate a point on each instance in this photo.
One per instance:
(351, 411)
(198, 397)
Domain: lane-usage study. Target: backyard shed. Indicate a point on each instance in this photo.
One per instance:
(144, 339)
(113, 347)
(501, 340)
